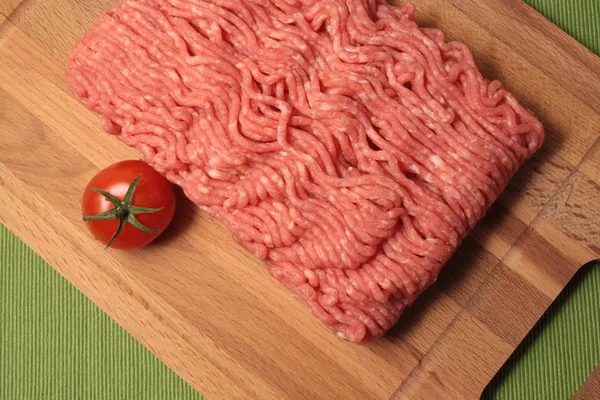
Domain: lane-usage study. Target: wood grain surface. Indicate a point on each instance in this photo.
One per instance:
(210, 311)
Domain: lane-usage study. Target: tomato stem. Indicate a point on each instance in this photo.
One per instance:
(123, 210)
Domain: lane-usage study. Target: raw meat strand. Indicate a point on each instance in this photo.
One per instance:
(477, 215)
(346, 146)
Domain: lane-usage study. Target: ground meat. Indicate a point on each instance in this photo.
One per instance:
(341, 143)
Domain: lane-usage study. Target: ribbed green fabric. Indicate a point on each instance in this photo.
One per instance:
(56, 344)
(579, 18)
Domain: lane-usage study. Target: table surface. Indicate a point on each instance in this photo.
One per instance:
(142, 349)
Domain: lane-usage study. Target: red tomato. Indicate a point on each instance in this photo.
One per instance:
(142, 218)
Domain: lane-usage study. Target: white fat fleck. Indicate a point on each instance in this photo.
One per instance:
(264, 180)
(386, 284)
(284, 153)
(229, 203)
(203, 189)
(214, 161)
(346, 260)
(309, 274)
(215, 174)
(447, 117)
(436, 160)
(292, 225)
(350, 169)
(341, 335)
(331, 199)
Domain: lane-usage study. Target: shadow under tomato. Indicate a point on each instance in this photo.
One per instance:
(183, 220)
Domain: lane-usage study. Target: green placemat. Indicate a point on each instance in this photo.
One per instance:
(579, 18)
(56, 344)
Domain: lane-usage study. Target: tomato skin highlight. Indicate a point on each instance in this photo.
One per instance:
(153, 191)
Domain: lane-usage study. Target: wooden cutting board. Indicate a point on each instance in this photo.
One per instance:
(210, 311)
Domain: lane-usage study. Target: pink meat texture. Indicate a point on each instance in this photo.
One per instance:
(338, 141)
